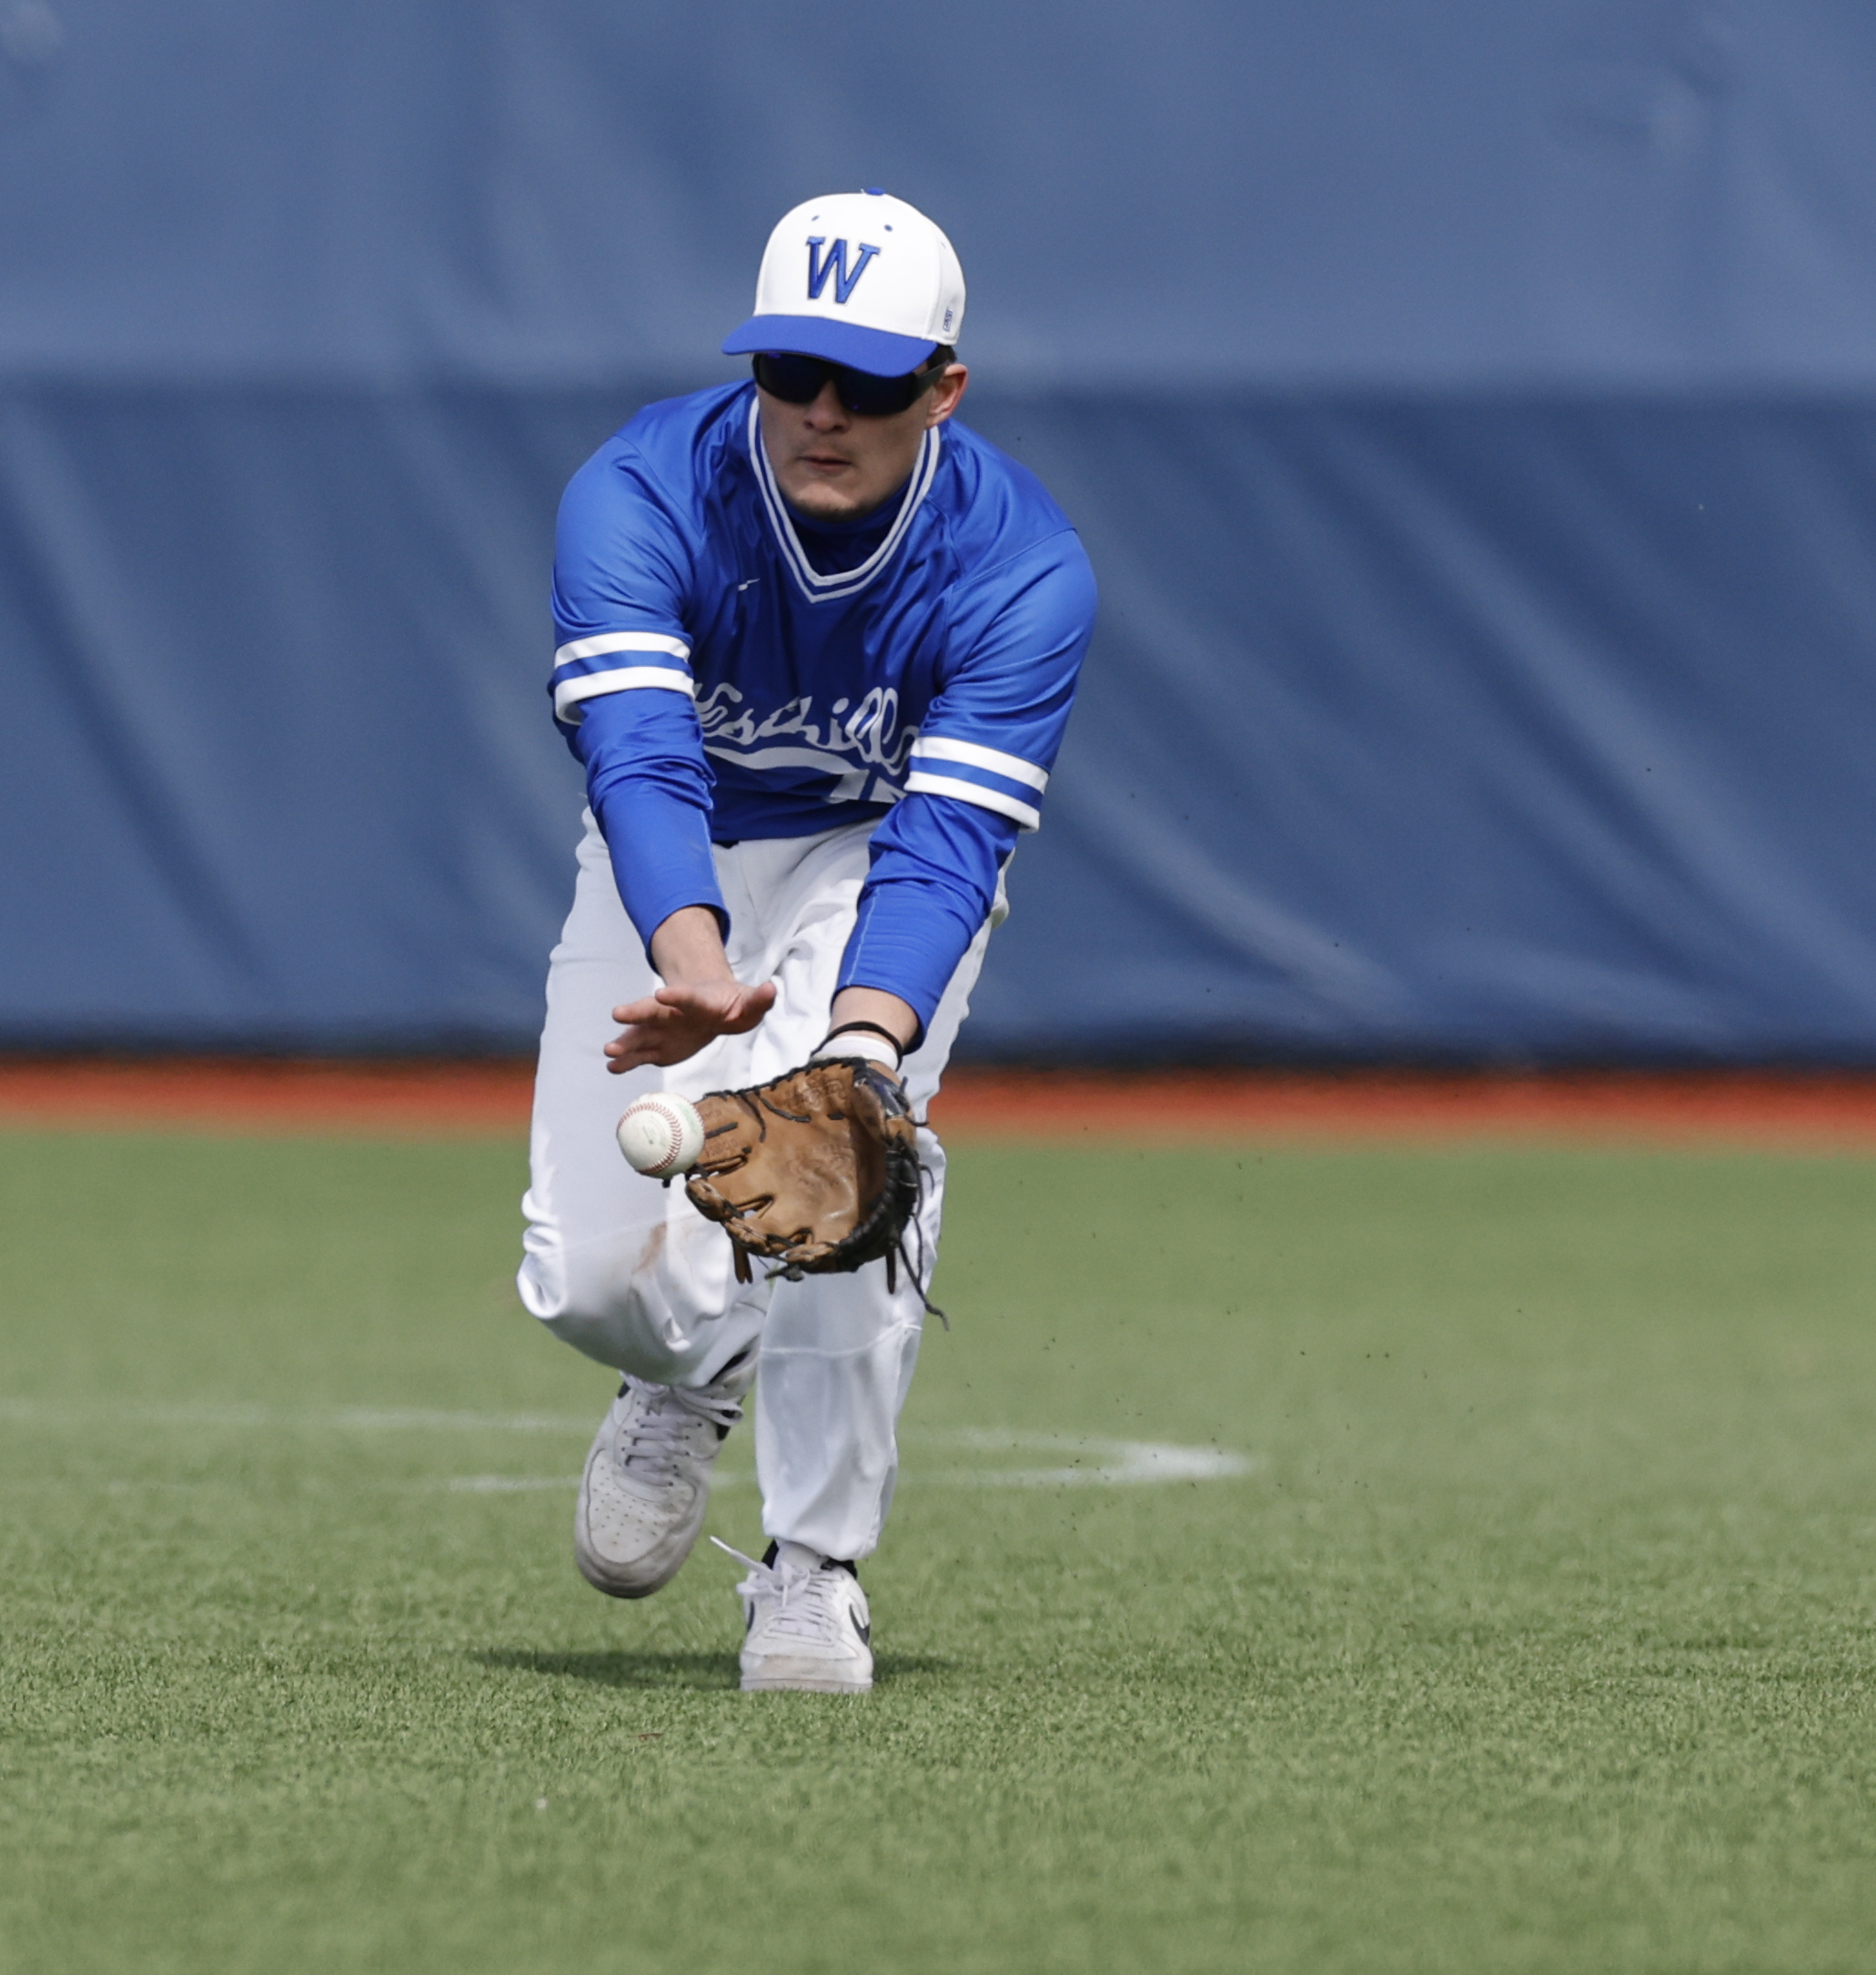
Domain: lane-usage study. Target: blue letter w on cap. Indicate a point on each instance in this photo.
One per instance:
(835, 264)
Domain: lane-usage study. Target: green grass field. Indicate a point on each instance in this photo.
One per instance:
(1537, 1637)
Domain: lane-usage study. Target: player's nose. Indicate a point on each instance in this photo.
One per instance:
(827, 413)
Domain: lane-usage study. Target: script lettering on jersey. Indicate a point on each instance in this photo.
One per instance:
(835, 264)
(868, 732)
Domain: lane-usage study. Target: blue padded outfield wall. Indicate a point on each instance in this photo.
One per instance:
(1471, 410)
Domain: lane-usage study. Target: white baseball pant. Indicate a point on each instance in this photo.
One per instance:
(631, 1273)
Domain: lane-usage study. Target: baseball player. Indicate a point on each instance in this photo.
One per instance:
(817, 644)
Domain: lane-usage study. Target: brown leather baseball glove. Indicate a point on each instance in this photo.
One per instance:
(817, 1170)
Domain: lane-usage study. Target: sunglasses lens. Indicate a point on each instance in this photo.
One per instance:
(798, 380)
(876, 397)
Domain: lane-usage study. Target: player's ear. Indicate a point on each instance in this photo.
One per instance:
(941, 399)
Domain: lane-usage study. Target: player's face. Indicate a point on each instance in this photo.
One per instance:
(834, 465)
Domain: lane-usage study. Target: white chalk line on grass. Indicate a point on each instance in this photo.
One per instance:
(1080, 1460)
(340, 1419)
(1092, 1463)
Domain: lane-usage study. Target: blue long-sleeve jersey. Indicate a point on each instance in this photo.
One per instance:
(725, 671)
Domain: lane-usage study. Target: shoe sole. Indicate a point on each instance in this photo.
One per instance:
(615, 1588)
(758, 1682)
(783, 1673)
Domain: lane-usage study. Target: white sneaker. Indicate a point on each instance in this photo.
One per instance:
(806, 1626)
(647, 1482)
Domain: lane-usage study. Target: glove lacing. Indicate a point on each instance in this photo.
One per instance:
(649, 1447)
(920, 1275)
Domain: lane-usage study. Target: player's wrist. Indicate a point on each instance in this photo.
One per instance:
(867, 1039)
(699, 980)
(686, 948)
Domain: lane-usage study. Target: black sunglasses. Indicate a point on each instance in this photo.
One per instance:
(798, 380)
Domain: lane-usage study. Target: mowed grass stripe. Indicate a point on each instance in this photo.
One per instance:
(1540, 1638)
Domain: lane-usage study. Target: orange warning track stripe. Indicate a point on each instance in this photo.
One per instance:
(481, 1099)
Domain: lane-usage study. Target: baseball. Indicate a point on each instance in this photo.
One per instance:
(661, 1134)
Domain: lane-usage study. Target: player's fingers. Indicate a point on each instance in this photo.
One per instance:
(633, 1036)
(663, 1058)
(755, 1003)
(678, 1021)
(707, 1002)
(634, 1060)
(660, 1042)
(651, 1009)
(625, 1053)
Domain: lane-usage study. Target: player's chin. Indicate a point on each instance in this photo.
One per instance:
(823, 498)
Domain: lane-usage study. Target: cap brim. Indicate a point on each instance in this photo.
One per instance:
(878, 352)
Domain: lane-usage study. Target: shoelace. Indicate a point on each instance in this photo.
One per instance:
(804, 1599)
(651, 1448)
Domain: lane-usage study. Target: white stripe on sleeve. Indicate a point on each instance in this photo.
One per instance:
(1012, 767)
(597, 647)
(921, 783)
(591, 685)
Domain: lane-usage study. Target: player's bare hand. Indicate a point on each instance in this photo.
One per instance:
(678, 1021)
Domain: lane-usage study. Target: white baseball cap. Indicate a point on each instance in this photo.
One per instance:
(857, 277)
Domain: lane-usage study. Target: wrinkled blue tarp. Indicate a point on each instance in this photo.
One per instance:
(1471, 413)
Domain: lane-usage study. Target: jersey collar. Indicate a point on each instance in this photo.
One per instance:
(816, 588)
